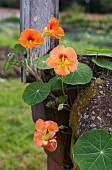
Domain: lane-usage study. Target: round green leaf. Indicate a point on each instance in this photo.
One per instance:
(93, 151)
(82, 75)
(41, 64)
(19, 49)
(56, 83)
(36, 92)
(103, 63)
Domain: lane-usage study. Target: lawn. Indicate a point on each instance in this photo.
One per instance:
(17, 129)
(9, 33)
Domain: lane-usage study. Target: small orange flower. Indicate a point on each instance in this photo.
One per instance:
(63, 60)
(53, 29)
(44, 136)
(30, 38)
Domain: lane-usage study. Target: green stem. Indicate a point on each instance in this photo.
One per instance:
(37, 76)
(33, 73)
(64, 91)
(40, 53)
(31, 59)
(52, 95)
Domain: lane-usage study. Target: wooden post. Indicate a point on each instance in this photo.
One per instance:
(36, 14)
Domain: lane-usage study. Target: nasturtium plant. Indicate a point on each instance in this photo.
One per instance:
(93, 150)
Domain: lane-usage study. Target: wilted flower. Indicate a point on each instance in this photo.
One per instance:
(63, 60)
(30, 38)
(53, 29)
(45, 134)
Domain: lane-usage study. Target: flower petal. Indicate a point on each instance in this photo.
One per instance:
(64, 71)
(70, 53)
(52, 126)
(38, 139)
(51, 145)
(58, 33)
(40, 125)
(57, 51)
(53, 24)
(50, 62)
(73, 66)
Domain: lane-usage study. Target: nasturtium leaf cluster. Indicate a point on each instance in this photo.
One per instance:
(93, 150)
(37, 92)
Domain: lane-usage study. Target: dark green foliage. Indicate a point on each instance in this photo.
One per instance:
(12, 19)
(94, 6)
(10, 3)
(65, 4)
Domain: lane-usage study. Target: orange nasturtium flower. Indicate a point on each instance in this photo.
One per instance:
(63, 60)
(45, 134)
(30, 38)
(53, 29)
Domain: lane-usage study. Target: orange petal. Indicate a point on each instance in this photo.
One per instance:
(51, 62)
(40, 125)
(58, 33)
(70, 53)
(53, 24)
(51, 145)
(64, 71)
(57, 51)
(52, 126)
(38, 139)
(73, 66)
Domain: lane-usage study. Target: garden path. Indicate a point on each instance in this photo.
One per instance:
(7, 12)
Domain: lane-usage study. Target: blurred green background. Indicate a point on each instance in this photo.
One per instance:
(87, 24)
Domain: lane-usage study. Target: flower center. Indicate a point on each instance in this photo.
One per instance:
(31, 39)
(63, 60)
(51, 27)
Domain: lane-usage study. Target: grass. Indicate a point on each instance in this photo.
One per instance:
(17, 128)
(9, 33)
